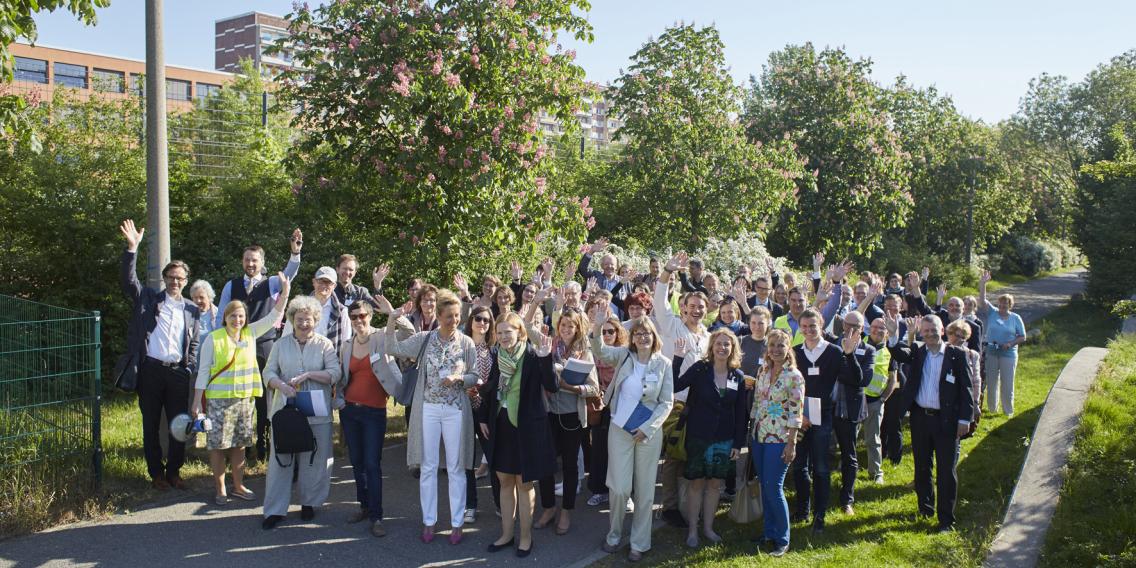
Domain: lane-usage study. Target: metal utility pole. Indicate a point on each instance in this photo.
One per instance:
(157, 150)
(974, 162)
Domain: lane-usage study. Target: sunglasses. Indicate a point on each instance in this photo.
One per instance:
(482, 319)
(360, 317)
(609, 332)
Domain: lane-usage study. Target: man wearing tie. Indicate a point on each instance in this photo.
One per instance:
(939, 398)
(161, 356)
(258, 292)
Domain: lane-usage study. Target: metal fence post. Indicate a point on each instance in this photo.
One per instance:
(264, 109)
(96, 405)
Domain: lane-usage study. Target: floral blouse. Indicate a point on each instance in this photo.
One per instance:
(443, 358)
(777, 405)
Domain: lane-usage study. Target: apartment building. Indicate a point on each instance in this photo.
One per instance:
(597, 125)
(249, 36)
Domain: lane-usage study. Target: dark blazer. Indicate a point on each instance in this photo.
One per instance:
(834, 366)
(706, 409)
(538, 450)
(776, 309)
(855, 402)
(352, 293)
(143, 320)
(956, 402)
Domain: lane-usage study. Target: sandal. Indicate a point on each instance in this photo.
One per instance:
(246, 495)
(220, 499)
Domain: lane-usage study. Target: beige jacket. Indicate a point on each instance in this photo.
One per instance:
(657, 395)
(286, 361)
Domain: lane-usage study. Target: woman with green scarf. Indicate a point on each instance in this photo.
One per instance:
(514, 415)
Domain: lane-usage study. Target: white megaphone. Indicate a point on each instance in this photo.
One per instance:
(182, 426)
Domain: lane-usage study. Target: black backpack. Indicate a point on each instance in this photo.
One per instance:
(291, 434)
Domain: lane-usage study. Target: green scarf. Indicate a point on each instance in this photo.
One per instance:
(509, 383)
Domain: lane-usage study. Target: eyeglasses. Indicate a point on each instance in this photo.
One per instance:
(360, 317)
(608, 332)
(642, 335)
(181, 279)
(482, 319)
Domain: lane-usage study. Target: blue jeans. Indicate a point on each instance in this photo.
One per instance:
(770, 470)
(810, 468)
(364, 429)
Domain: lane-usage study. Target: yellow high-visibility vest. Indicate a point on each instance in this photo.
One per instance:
(242, 378)
(783, 323)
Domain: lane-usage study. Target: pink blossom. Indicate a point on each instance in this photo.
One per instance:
(468, 151)
(531, 46)
(452, 80)
(539, 153)
(414, 240)
(402, 234)
(353, 42)
(540, 183)
(496, 134)
(555, 209)
(436, 69)
(447, 130)
(430, 177)
(509, 3)
(437, 27)
(584, 248)
(458, 134)
(545, 59)
(466, 163)
(585, 201)
(587, 211)
(484, 157)
(408, 178)
(512, 44)
(516, 207)
(484, 168)
(590, 223)
(539, 237)
(475, 60)
(441, 151)
(571, 53)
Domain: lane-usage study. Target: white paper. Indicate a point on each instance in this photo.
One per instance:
(814, 410)
(319, 403)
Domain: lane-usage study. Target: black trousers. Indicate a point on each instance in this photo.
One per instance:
(846, 432)
(931, 440)
(161, 388)
(262, 417)
(567, 432)
(597, 472)
(891, 430)
(471, 474)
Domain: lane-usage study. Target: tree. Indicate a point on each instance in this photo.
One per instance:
(17, 22)
(828, 105)
(1104, 232)
(696, 174)
(959, 178)
(422, 118)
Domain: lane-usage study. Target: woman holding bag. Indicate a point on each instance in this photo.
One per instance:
(302, 361)
(614, 335)
(514, 416)
(777, 411)
(228, 378)
(643, 382)
(368, 377)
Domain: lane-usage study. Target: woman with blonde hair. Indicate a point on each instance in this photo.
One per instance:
(302, 360)
(777, 414)
(440, 409)
(513, 415)
(228, 379)
(715, 426)
(643, 383)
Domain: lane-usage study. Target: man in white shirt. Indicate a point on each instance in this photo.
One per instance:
(688, 328)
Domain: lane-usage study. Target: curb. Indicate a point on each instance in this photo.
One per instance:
(1019, 541)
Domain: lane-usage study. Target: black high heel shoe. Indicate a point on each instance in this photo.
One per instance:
(521, 552)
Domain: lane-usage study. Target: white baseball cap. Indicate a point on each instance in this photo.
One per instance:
(326, 273)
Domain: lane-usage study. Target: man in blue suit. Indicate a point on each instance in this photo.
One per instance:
(161, 356)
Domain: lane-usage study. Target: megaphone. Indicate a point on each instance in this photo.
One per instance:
(182, 426)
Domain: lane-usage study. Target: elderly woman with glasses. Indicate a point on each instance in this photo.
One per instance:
(368, 376)
(639, 398)
(301, 361)
(203, 296)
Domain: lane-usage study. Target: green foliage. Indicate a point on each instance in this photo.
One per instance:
(1124, 309)
(421, 128)
(1022, 255)
(696, 174)
(17, 22)
(1104, 221)
(827, 104)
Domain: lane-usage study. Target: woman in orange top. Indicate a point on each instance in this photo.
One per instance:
(369, 374)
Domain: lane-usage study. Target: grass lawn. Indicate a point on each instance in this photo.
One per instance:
(1095, 523)
(125, 483)
(884, 531)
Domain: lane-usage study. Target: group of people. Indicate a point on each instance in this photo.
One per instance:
(624, 380)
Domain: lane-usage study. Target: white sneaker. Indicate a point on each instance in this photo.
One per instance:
(471, 515)
(597, 499)
(559, 491)
(630, 506)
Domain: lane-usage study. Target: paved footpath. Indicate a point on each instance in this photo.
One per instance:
(191, 530)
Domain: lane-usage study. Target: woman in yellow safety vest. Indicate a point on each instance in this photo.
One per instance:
(229, 378)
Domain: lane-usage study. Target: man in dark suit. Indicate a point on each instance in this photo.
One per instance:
(939, 398)
(763, 296)
(823, 364)
(161, 356)
(851, 406)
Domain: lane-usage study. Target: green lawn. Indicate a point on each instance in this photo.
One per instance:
(125, 480)
(1095, 523)
(884, 531)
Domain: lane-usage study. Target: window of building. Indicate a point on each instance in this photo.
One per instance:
(177, 90)
(138, 84)
(70, 75)
(205, 90)
(31, 70)
(109, 81)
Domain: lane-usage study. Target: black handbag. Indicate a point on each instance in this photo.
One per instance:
(291, 434)
(405, 394)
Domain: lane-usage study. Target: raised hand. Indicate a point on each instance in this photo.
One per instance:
(593, 285)
(285, 284)
(892, 324)
(461, 285)
(849, 343)
(133, 236)
(546, 266)
(599, 316)
(818, 261)
(769, 264)
(941, 291)
(680, 347)
(985, 277)
(515, 270)
(597, 246)
(544, 348)
(296, 241)
(631, 275)
(385, 306)
(380, 274)
(404, 309)
(679, 261)
(925, 273)
(912, 326)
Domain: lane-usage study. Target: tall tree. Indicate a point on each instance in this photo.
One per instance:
(423, 118)
(828, 105)
(696, 174)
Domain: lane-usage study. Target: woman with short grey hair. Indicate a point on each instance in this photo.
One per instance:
(203, 296)
(302, 360)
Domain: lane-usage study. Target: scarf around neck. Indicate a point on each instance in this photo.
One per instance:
(509, 385)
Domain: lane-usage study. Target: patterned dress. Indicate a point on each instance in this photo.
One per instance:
(777, 405)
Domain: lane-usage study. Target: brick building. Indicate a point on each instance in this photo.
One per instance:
(248, 36)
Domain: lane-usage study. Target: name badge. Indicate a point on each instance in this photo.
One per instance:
(761, 360)
(859, 351)
(242, 344)
(950, 378)
(652, 378)
(376, 357)
(732, 385)
(814, 371)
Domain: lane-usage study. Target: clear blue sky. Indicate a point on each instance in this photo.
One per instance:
(982, 53)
